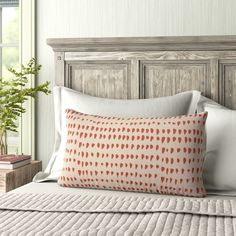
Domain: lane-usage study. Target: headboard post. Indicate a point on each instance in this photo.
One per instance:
(59, 68)
(144, 67)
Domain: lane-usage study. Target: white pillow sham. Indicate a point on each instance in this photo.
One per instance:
(219, 172)
(64, 98)
(204, 100)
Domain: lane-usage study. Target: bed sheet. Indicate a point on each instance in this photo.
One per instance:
(53, 187)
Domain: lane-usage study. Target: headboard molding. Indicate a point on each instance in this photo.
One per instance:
(144, 67)
(176, 43)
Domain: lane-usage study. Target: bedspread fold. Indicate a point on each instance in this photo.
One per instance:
(65, 214)
(106, 204)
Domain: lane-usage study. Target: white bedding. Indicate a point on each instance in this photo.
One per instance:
(48, 209)
(65, 98)
(53, 187)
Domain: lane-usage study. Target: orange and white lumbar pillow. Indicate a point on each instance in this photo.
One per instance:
(156, 155)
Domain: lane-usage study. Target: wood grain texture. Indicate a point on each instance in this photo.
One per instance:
(101, 79)
(208, 43)
(59, 68)
(11, 179)
(146, 67)
(151, 55)
(227, 80)
(166, 78)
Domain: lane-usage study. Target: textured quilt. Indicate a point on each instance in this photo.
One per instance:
(61, 214)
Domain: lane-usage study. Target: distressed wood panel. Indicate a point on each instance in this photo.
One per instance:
(144, 67)
(228, 83)
(174, 43)
(151, 55)
(59, 68)
(101, 78)
(165, 78)
(11, 179)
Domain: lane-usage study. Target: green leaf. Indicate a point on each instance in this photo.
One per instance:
(15, 92)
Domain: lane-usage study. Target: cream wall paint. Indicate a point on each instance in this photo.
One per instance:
(107, 18)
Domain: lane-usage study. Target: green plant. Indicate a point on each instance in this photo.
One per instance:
(14, 93)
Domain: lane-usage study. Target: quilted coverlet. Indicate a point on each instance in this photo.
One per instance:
(63, 214)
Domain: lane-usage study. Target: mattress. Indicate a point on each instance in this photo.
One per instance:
(48, 209)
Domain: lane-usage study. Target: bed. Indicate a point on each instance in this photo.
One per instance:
(131, 68)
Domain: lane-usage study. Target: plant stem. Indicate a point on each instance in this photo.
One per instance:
(3, 143)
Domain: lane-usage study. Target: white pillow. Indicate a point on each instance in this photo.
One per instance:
(64, 98)
(219, 172)
(204, 100)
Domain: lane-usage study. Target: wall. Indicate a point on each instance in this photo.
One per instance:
(107, 18)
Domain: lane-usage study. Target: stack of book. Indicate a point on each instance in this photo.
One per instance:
(10, 162)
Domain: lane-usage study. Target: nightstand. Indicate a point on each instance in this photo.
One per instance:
(11, 179)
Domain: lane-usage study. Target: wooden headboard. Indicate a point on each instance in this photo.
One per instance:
(145, 67)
